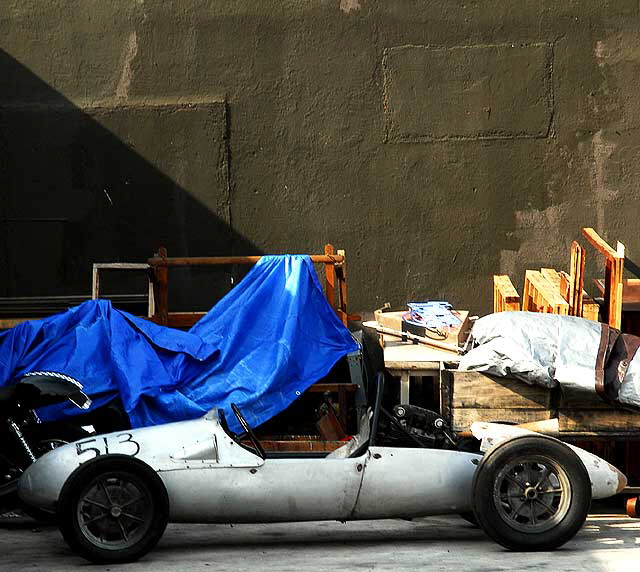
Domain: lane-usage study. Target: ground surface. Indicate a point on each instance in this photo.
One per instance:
(437, 543)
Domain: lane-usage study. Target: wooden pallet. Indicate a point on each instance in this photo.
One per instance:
(505, 296)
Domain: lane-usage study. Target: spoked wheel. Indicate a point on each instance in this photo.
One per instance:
(113, 509)
(531, 493)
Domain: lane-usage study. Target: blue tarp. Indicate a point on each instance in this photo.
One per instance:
(260, 347)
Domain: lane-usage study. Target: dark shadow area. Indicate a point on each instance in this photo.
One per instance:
(110, 182)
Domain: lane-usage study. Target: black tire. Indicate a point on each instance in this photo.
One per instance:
(91, 515)
(43, 438)
(531, 493)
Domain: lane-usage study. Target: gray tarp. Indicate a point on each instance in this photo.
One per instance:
(548, 349)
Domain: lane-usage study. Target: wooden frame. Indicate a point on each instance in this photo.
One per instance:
(505, 296)
(122, 266)
(335, 282)
(540, 295)
(614, 269)
(576, 284)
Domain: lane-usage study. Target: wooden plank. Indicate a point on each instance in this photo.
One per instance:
(542, 296)
(590, 308)
(161, 290)
(330, 277)
(630, 289)
(179, 319)
(577, 279)
(417, 368)
(7, 323)
(475, 390)
(95, 283)
(222, 260)
(298, 446)
(121, 265)
(461, 419)
(599, 243)
(600, 420)
(552, 276)
(341, 276)
(505, 296)
(615, 315)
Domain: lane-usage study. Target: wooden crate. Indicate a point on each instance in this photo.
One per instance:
(456, 336)
(468, 396)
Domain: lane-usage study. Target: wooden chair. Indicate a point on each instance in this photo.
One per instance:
(613, 283)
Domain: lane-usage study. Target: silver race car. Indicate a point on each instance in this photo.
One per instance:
(114, 494)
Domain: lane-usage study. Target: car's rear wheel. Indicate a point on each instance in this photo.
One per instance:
(113, 509)
(531, 493)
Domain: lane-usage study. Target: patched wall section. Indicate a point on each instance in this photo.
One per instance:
(468, 92)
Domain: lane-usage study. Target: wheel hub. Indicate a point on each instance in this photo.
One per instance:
(532, 494)
(115, 511)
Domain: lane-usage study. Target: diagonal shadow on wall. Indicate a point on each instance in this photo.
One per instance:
(110, 181)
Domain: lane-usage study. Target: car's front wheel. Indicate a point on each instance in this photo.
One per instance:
(113, 509)
(531, 493)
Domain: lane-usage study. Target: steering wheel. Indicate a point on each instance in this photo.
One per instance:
(248, 432)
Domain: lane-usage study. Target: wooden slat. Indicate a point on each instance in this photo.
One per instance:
(552, 276)
(590, 308)
(341, 277)
(505, 296)
(223, 260)
(542, 296)
(298, 446)
(330, 276)
(598, 420)
(576, 284)
(630, 289)
(599, 243)
(462, 419)
(183, 319)
(614, 270)
(472, 390)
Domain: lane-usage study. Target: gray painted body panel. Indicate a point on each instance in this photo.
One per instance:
(210, 478)
(415, 482)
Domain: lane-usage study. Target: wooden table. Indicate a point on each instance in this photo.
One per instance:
(407, 360)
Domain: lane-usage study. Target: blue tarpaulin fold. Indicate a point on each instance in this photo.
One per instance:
(260, 347)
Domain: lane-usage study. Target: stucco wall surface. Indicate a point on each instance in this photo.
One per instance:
(437, 141)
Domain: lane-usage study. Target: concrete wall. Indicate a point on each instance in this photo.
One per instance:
(438, 142)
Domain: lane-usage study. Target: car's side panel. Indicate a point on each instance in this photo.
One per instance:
(415, 482)
(279, 490)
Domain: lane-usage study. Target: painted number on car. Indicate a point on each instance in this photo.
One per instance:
(123, 444)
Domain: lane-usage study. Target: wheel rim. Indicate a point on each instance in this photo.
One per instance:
(532, 495)
(114, 512)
